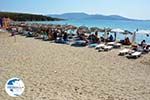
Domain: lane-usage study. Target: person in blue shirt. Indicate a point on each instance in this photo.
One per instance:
(111, 39)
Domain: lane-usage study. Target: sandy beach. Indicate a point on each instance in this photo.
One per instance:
(60, 72)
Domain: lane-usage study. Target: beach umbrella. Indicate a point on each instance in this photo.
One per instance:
(94, 29)
(84, 29)
(58, 26)
(117, 30)
(121, 31)
(71, 27)
(53, 26)
(127, 32)
(147, 32)
(63, 27)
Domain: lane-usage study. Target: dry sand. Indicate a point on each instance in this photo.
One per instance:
(61, 72)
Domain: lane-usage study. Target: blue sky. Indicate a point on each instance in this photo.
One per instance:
(138, 9)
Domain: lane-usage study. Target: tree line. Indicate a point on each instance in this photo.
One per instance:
(26, 17)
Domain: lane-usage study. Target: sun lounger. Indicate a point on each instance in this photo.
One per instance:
(100, 46)
(2, 30)
(25, 33)
(114, 44)
(146, 50)
(100, 50)
(117, 45)
(39, 37)
(103, 47)
(124, 51)
(111, 43)
(106, 48)
(79, 43)
(134, 55)
(45, 38)
(60, 41)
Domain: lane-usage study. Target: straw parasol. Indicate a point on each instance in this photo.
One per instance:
(84, 29)
(121, 31)
(118, 30)
(94, 29)
(71, 27)
(147, 32)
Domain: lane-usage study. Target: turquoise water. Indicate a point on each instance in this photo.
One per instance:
(126, 25)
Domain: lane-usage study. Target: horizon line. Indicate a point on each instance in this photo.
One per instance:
(73, 12)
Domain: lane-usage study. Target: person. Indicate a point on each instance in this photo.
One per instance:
(143, 43)
(45, 35)
(65, 37)
(55, 34)
(93, 38)
(97, 40)
(1, 23)
(13, 33)
(7, 22)
(50, 32)
(4, 22)
(127, 41)
(111, 39)
(14, 30)
(78, 33)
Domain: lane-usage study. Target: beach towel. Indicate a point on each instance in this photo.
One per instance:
(92, 45)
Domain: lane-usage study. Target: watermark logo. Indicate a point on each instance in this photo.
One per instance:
(14, 87)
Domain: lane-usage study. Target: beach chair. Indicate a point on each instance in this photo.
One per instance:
(100, 46)
(2, 30)
(107, 48)
(114, 44)
(39, 37)
(45, 38)
(30, 34)
(103, 47)
(61, 41)
(146, 50)
(111, 43)
(135, 54)
(124, 52)
(24, 33)
(79, 43)
(117, 45)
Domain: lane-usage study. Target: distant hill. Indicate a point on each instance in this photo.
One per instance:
(70, 15)
(87, 16)
(26, 17)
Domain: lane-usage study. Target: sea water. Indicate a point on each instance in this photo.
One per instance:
(125, 25)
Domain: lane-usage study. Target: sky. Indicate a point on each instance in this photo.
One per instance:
(136, 9)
